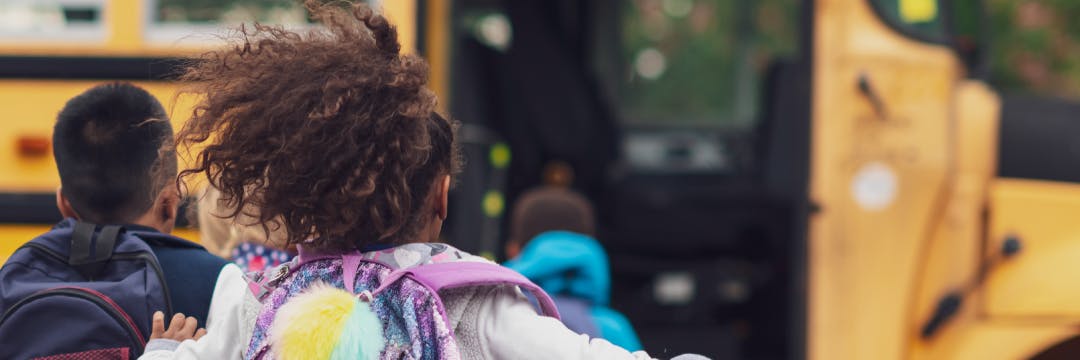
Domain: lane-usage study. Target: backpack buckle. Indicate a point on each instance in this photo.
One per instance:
(279, 275)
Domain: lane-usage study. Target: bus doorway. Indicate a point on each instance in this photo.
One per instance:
(685, 122)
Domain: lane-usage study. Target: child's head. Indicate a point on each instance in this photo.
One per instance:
(220, 233)
(546, 209)
(108, 143)
(330, 131)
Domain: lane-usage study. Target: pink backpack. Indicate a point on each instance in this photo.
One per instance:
(400, 284)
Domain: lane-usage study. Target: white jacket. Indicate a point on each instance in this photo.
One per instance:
(492, 322)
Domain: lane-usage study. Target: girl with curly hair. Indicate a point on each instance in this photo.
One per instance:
(332, 135)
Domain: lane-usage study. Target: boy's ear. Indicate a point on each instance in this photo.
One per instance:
(64, 205)
(442, 207)
(167, 207)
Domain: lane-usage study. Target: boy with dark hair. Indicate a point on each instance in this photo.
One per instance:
(113, 149)
(119, 197)
(106, 143)
(552, 244)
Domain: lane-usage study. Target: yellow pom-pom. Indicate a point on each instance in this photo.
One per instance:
(309, 325)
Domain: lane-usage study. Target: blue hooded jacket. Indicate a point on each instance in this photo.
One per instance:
(573, 268)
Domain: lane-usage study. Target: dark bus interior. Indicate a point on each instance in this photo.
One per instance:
(701, 197)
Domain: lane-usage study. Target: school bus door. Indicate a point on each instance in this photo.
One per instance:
(903, 162)
(880, 166)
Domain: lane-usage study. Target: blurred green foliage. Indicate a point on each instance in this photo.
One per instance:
(1035, 45)
(700, 61)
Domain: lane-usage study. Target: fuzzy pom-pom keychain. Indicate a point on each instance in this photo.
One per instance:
(326, 323)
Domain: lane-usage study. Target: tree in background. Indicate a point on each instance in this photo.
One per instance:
(1035, 45)
(700, 62)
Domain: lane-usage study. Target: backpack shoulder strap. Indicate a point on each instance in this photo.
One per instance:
(350, 263)
(450, 275)
(88, 256)
(261, 283)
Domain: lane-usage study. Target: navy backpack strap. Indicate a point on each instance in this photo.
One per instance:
(87, 256)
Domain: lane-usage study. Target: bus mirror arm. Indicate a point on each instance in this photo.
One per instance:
(946, 308)
(866, 88)
(949, 305)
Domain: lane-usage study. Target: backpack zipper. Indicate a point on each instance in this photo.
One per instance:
(99, 299)
(137, 255)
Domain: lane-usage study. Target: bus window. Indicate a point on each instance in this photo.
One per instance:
(178, 20)
(228, 11)
(693, 62)
(197, 23)
(51, 20)
(920, 19)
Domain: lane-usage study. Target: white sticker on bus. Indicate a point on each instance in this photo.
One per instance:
(874, 186)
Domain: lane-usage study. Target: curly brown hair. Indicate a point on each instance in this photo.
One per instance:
(329, 132)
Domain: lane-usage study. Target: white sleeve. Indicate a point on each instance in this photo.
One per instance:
(510, 328)
(225, 330)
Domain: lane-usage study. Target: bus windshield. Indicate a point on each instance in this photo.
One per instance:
(693, 62)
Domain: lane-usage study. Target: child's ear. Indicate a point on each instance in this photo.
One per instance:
(443, 205)
(168, 203)
(64, 205)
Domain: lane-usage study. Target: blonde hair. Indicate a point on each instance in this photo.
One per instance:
(220, 233)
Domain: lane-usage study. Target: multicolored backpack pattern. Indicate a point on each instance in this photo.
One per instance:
(398, 286)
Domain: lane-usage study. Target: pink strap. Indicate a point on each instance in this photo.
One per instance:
(440, 276)
(452, 275)
(305, 255)
(350, 264)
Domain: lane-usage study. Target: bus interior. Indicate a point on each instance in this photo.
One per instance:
(700, 193)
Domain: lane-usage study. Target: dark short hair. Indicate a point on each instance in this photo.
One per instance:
(108, 143)
(546, 209)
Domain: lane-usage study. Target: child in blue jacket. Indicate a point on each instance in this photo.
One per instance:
(551, 243)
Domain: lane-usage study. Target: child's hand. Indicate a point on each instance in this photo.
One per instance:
(180, 328)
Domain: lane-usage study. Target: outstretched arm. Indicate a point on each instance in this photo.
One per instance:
(228, 335)
(510, 328)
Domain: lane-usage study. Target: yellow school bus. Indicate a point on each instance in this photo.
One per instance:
(59, 48)
(821, 179)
